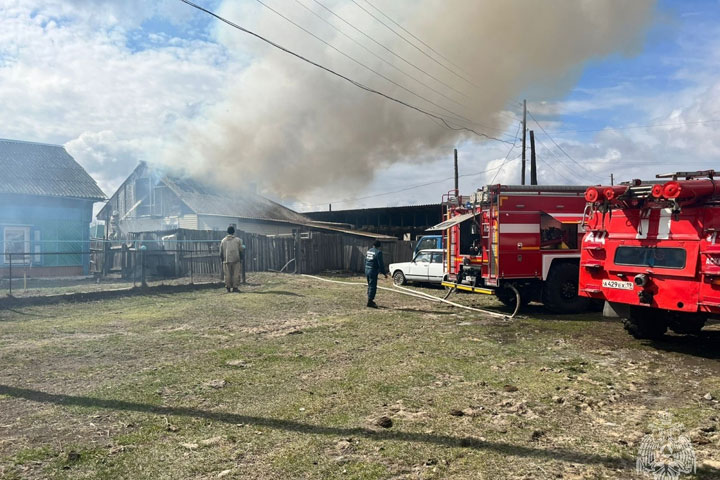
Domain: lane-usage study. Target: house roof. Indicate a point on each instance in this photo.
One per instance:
(41, 169)
(205, 200)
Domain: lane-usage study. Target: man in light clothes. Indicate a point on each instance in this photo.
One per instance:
(232, 252)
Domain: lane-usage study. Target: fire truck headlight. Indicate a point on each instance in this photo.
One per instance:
(641, 280)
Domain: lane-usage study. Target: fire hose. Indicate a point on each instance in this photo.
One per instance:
(425, 296)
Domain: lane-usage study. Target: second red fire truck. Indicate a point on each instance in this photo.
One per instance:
(505, 239)
(652, 252)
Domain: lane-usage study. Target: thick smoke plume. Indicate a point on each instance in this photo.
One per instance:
(291, 128)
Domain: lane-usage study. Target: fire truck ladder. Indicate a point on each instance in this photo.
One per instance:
(493, 241)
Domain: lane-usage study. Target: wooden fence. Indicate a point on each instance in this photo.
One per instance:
(182, 253)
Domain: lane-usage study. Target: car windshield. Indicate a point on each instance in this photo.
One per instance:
(427, 243)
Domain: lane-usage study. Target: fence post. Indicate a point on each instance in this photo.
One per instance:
(191, 266)
(10, 257)
(297, 250)
(143, 283)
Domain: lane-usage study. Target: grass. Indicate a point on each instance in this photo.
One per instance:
(289, 379)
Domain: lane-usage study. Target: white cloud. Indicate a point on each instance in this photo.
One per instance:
(68, 76)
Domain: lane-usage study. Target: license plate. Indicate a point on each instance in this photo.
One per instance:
(618, 284)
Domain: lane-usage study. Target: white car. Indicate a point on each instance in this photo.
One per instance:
(426, 266)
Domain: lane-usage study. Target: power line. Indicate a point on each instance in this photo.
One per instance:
(553, 140)
(352, 59)
(416, 38)
(339, 75)
(388, 49)
(553, 169)
(577, 177)
(412, 187)
(508, 153)
(400, 57)
(413, 45)
(560, 160)
(377, 56)
(631, 127)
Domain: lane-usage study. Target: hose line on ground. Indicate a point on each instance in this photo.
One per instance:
(424, 296)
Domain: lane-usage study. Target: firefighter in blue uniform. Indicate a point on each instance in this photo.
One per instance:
(373, 266)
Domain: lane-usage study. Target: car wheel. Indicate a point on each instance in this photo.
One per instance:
(399, 278)
(560, 292)
(645, 323)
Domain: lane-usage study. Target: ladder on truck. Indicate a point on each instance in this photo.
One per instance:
(493, 228)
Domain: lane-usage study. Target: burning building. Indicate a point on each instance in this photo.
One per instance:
(154, 200)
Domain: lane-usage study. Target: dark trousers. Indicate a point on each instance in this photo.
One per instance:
(372, 285)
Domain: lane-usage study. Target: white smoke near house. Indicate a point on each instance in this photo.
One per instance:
(292, 128)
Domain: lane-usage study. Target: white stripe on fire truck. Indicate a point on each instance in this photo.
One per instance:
(644, 226)
(519, 228)
(664, 223)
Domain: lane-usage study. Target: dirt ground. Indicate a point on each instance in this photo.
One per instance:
(295, 378)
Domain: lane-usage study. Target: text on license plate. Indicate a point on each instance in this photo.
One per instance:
(618, 284)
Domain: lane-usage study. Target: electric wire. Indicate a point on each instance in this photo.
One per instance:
(416, 38)
(391, 65)
(560, 160)
(339, 75)
(411, 187)
(549, 165)
(508, 153)
(631, 127)
(415, 46)
(553, 140)
(358, 62)
(400, 57)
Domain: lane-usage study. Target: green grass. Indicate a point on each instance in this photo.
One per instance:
(125, 384)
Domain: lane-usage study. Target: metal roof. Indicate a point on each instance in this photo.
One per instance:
(205, 200)
(46, 170)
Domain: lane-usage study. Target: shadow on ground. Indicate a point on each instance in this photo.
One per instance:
(293, 426)
(706, 345)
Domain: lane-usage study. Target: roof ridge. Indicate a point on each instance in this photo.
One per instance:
(32, 143)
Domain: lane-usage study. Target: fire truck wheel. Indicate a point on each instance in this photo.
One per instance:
(399, 278)
(645, 323)
(508, 298)
(689, 324)
(560, 292)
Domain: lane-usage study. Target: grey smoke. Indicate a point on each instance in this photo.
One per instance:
(292, 129)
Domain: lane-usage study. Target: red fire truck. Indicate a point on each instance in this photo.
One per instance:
(651, 252)
(508, 239)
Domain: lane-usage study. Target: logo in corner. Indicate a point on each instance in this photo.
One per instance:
(666, 453)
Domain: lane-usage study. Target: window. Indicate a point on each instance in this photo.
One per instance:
(651, 257)
(437, 258)
(427, 242)
(423, 258)
(16, 241)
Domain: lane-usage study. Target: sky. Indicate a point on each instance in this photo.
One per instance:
(610, 90)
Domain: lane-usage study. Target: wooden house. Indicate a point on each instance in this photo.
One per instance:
(46, 204)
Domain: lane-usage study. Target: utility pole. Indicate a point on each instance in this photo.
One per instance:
(533, 165)
(524, 127)
(457, 191)
(612, 180)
